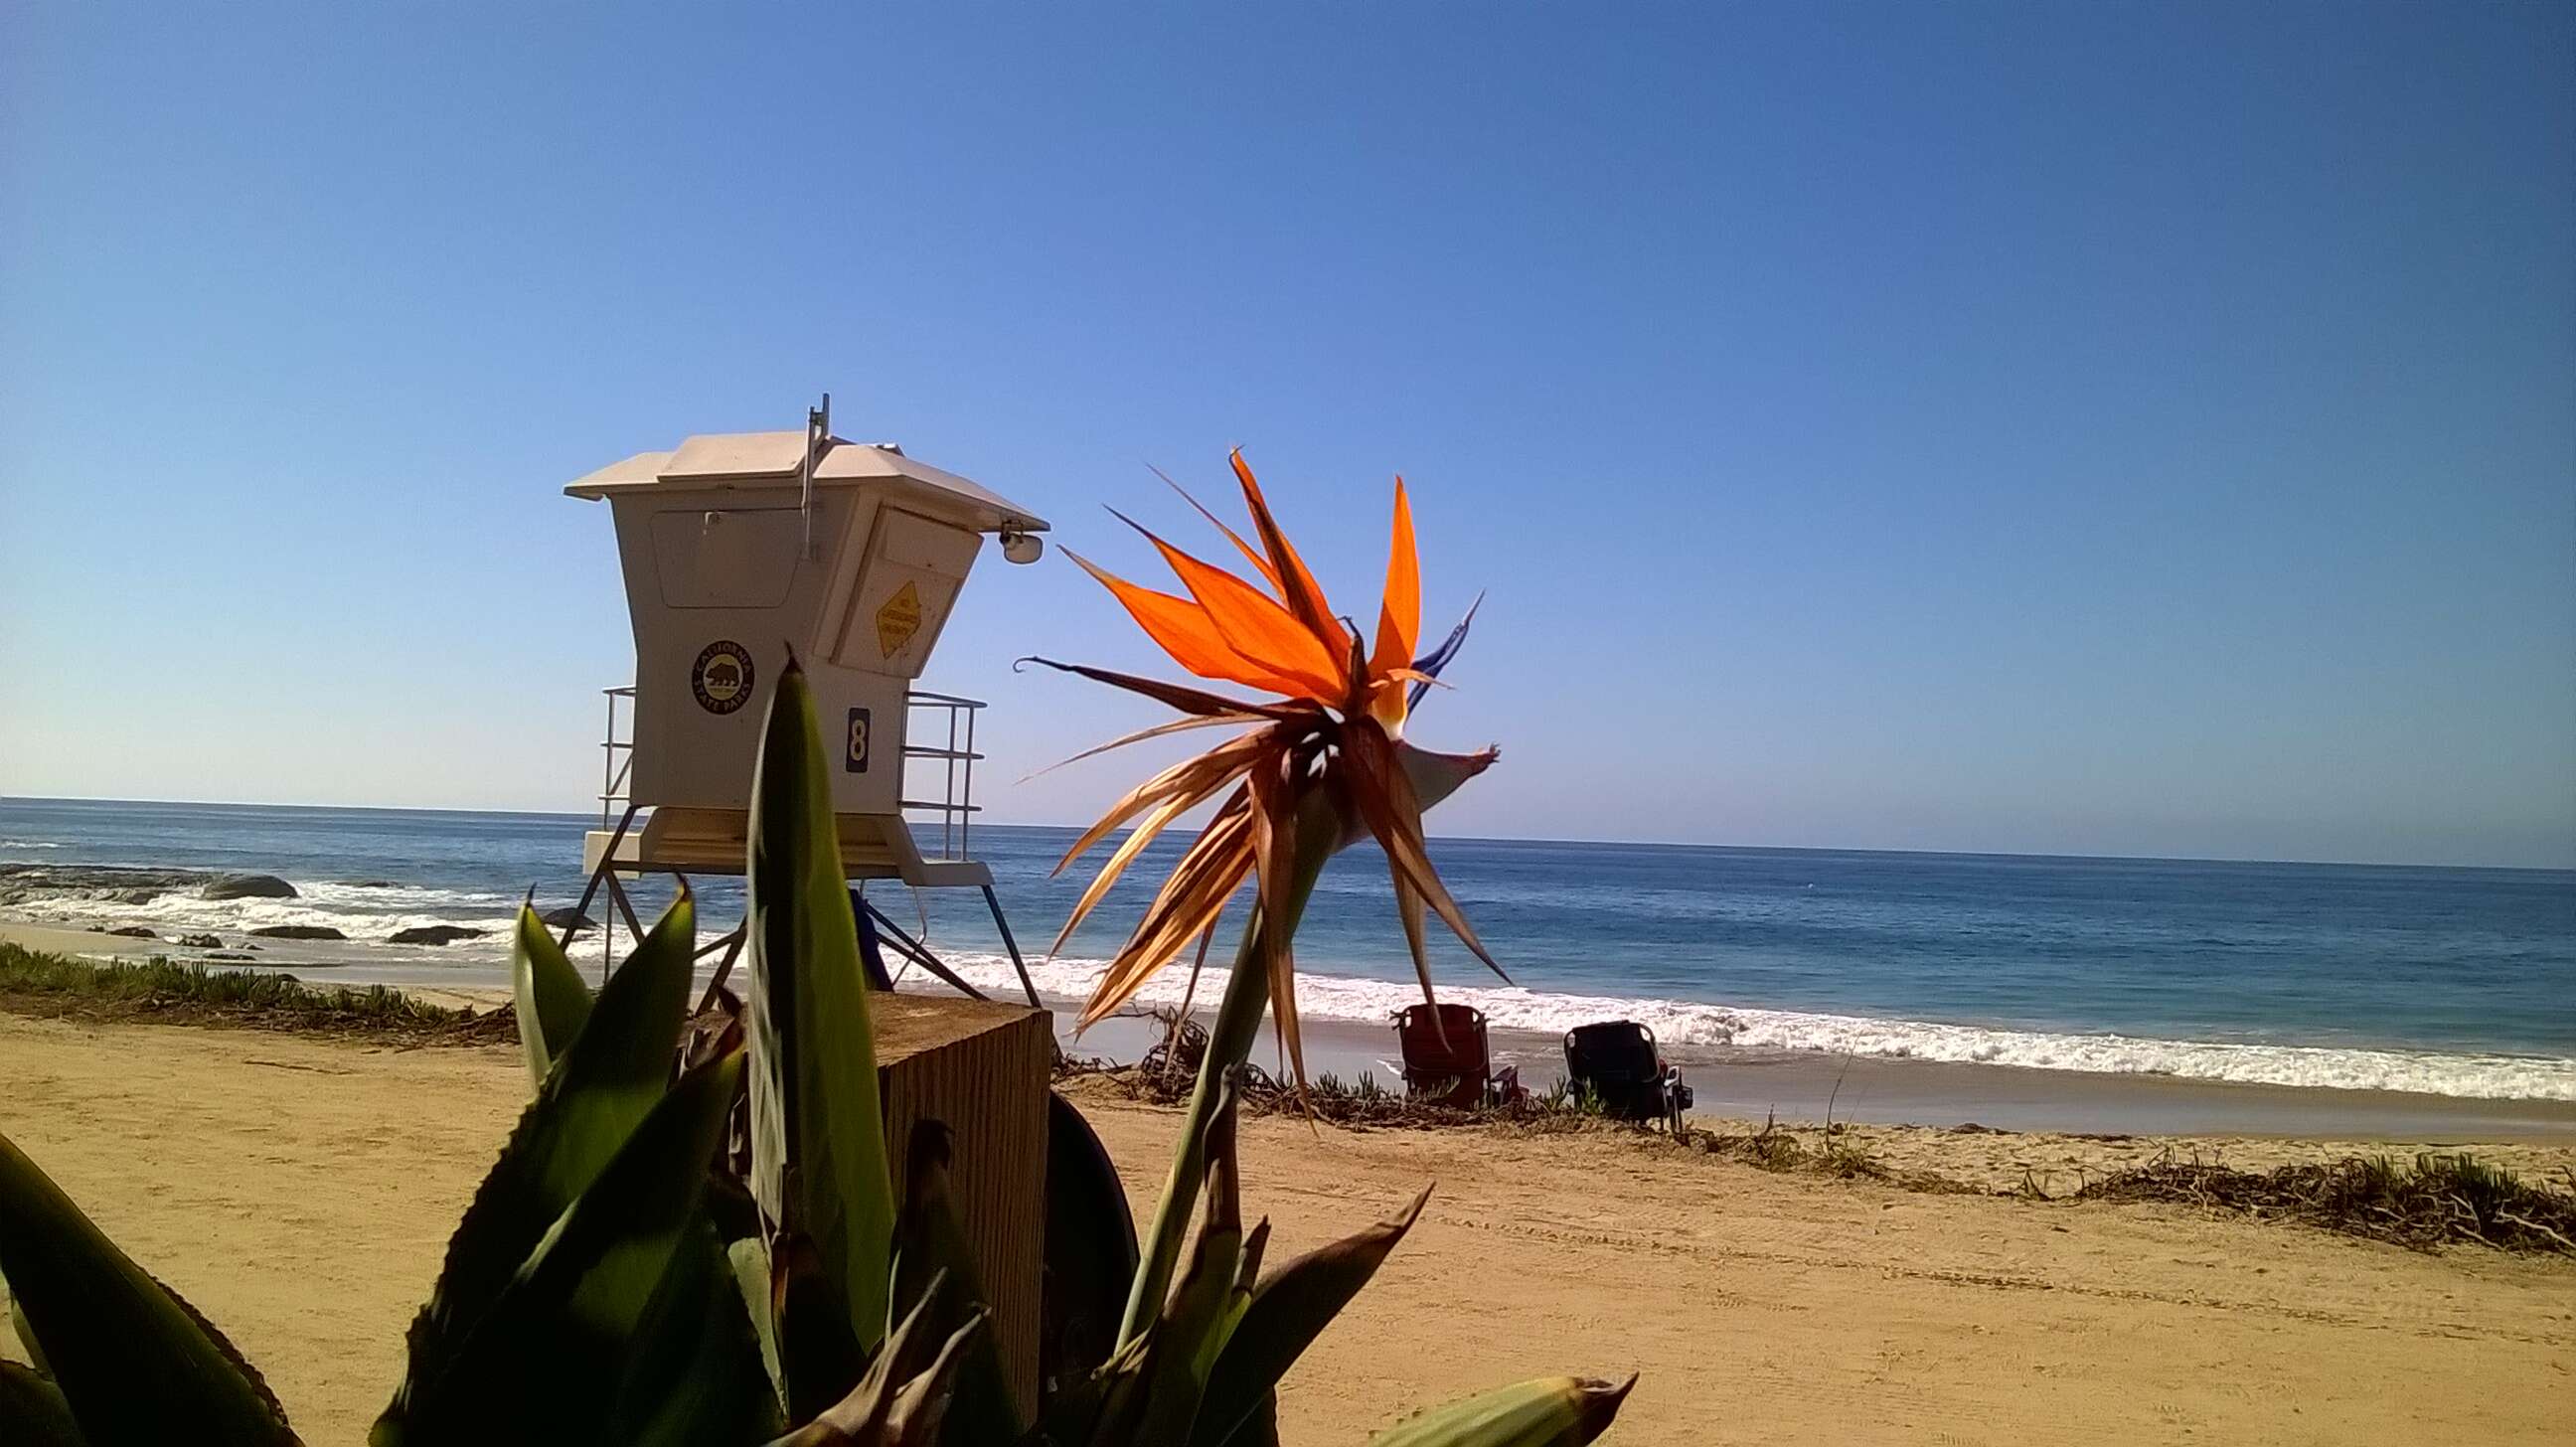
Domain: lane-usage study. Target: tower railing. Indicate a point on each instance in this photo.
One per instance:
(949, 764)
(942, 715)
(617, 755)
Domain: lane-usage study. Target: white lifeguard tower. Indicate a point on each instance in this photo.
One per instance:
(739, 547)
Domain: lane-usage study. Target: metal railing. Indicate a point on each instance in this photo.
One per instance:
(617, 756)
(955, 806)
(953, 719)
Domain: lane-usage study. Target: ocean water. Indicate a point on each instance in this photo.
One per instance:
(2457, 982)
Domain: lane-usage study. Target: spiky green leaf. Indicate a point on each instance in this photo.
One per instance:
(697, 1378)
(551, 1000)
(133, 1363)
(1284, 1316)
(547, 1362)
(594, 1097)
(1546, 1412)
(818, 1135)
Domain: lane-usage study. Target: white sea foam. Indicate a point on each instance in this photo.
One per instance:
(27, 844)
(1697, 1025)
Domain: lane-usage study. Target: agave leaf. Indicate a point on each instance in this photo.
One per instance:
(551, 1000)
(1546, 1412)
(547, 1361)
(594, 1097)
(32, 1410)
(697, 1376)
(1285, 1315)
(818, 1132)
(133, 1363)
(931, 1248)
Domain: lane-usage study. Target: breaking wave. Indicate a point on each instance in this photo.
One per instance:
(1696, 1026)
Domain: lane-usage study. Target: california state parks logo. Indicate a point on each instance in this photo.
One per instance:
(721, 678)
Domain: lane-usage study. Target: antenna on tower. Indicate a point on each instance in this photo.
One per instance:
(818, 435)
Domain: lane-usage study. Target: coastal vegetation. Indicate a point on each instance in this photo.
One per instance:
(44, 983)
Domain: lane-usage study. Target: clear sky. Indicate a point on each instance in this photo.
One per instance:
(2081, 428)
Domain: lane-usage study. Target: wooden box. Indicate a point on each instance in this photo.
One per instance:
(982, 1068)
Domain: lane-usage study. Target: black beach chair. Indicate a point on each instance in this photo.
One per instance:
(1446, 1059)
(1618, 1063)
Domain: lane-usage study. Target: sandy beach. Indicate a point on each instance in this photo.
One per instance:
(300, 1191)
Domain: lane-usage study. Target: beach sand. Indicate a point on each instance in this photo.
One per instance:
(301, 1191)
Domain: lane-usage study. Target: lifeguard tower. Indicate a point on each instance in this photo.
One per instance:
(737, 547)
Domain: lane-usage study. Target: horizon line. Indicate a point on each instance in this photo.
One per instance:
(1464, 838)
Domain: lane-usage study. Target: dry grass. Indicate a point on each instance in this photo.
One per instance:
(2438, 1200)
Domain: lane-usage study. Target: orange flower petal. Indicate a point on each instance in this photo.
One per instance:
(1399, 615)
(1187, 632)
(1258, 630)
(1259, 563)
(1304, 596)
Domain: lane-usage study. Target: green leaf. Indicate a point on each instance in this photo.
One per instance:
(749, 1263)
(1284, 1316)
(133, 1363)
(818, 1132)
(931, 1248)
(552, 1001)
(1547, 1412)
(33, 1412)
(697, 1375)
(547, 1362)
(598, 1092)
(1187, 1338)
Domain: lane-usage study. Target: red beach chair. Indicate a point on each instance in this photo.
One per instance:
(1447, 1062)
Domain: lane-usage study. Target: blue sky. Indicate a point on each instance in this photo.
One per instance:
(2059, 428)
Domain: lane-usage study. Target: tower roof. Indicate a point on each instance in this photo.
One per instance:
(774, 459)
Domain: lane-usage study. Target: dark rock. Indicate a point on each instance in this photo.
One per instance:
(248, 886)
(558, 918)
(434, 934)
(298, 932)
(227, 955)
(374, 884)
(132, 932)
(105, 883)
(202, 942)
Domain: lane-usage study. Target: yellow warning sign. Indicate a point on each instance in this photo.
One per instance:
(899, 619)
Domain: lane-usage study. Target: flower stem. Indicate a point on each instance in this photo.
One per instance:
(1238, 1020)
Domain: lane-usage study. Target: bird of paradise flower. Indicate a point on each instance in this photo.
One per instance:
(1331, 737)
